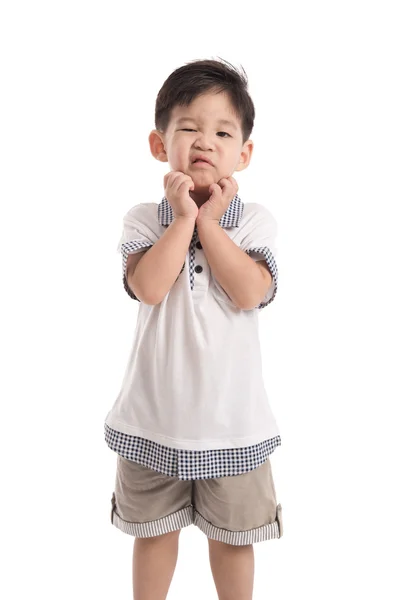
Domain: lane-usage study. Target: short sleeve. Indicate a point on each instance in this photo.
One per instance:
(137, 235)
(259, 242)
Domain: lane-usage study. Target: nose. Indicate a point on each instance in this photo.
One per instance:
(203, 142)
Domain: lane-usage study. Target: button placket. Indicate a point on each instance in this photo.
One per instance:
(198, 268)
(191, 258)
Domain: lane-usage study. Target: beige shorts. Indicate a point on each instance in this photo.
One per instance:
(237, 510)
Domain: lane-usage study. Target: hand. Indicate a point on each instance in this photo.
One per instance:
(177, 186)
(222, 194)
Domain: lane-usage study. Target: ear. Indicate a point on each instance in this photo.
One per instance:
(245, 155)
(157, 147)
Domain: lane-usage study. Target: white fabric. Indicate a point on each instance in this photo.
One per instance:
(194, 375)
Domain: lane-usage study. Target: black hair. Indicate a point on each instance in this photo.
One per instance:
(198, 77)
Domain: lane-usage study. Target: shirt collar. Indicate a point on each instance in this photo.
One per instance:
(231, 218)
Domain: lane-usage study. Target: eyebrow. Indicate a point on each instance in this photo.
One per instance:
(220, 122)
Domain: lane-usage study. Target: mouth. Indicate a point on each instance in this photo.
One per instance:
(202, 161)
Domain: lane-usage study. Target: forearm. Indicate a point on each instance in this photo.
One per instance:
(235, 271)
(158, 269)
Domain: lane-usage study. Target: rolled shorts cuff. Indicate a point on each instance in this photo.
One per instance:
(241, 538)
(173, 522)
(188, 516)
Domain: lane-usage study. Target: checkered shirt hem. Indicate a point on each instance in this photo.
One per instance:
(190, 464)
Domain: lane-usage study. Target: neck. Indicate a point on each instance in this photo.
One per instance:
(200, 197)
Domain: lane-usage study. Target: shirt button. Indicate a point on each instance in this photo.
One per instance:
(199, 246)
(198, 269)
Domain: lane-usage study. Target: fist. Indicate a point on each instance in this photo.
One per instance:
(177, 186)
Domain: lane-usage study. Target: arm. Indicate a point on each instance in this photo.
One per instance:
(153, 274)
(244, 280)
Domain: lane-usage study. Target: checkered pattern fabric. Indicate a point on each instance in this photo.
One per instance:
(127, 249)
(231, 218)
(267, 254)
(190, 464)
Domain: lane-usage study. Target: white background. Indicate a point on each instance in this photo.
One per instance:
(79, 82)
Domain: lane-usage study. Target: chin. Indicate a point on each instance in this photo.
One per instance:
(201, 180)
(202, 186)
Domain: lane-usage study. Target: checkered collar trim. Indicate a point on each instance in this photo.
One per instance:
(231, 218)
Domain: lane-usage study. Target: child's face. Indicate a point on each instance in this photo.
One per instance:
(199, 129)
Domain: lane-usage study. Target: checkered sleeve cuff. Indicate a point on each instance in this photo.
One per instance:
(126, 249)
(264, 253)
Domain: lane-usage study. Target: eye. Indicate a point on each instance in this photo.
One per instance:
(224, 133)
(188, 130)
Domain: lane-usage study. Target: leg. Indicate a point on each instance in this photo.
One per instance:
(233, 570)
(154, 561)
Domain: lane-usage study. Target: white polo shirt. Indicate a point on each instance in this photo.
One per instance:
(194, 375)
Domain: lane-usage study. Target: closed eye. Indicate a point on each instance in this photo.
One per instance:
(224, 133)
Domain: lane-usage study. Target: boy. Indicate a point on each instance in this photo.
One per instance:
(192, 425)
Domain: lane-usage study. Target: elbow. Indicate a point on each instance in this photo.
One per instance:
(248, 306)
(252, 302)
(149, 297)
(152, 301)
(244, 303)
(137, 291)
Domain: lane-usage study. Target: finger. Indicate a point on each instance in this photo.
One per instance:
(230, 179)
(234, 183)
(227, 182)
(170, 177)
(230, 188)
(215, 190)
(174, 181)
(176, 184)
(224, 183)
(188, 182)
